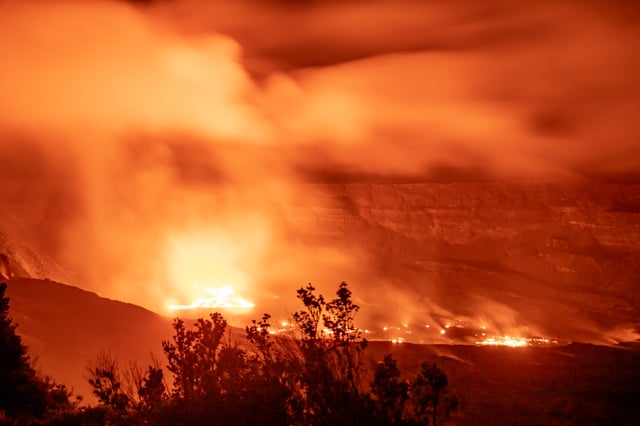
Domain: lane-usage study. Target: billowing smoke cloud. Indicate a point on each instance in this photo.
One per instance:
(160, 148)
(499, 88)
(143, 137)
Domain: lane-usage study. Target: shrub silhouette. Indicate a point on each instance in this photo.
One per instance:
(389, 392)
(331, 348)
(312, 376)
(429, 390)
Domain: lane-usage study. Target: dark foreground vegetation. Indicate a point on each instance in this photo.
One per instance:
(314, 376)
(25, 396)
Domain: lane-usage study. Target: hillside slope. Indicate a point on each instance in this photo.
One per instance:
(65, 327)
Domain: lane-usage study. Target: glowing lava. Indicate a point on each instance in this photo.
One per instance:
(220, 260)
(216, 298)
(514, 342)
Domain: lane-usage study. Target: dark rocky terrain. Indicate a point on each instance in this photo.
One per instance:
(65, 327)
(576, 384)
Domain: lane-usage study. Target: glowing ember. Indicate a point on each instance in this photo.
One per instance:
(221, 297)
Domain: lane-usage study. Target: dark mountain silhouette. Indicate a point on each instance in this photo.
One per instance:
(65, 327)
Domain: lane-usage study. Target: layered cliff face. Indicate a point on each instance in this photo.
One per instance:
(553, 260)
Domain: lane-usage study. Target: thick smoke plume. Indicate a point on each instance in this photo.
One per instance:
(152, 146)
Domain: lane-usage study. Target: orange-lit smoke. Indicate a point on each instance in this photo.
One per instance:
(498, 88)
(179, 137)
(178, 169)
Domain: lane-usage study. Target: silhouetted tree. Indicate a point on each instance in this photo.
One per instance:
(346, 338)
(61, 409)
(331, 348)
(218, 381)
(275, 391)
(428, 390)
(152, 390)
(152, 397)
(104, 377)
(25, 398)
(389, 392)
(308, 319)
(22, 396)
(137, 396)
(192, 357)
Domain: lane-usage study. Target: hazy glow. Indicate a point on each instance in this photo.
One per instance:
(162, 152)
(207, 269)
